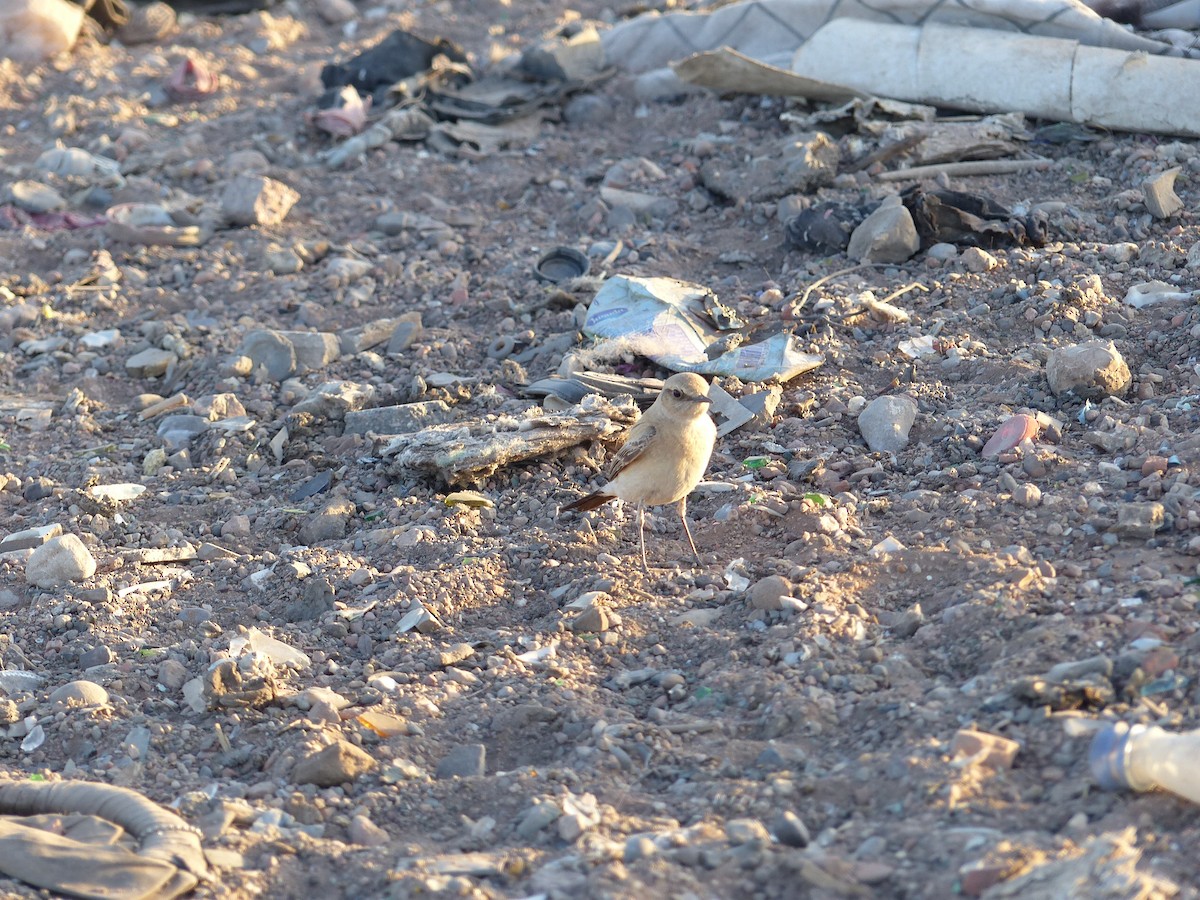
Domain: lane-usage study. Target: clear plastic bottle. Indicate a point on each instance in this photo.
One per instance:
(1144, 757)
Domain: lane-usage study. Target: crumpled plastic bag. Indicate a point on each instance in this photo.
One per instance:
(671, 323)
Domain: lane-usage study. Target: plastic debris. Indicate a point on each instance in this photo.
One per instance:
(667, 321)
(1142, 758)
(469, 498)
(279, 653)
(1009, 435)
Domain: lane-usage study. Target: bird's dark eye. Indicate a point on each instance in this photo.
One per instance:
(676, 393)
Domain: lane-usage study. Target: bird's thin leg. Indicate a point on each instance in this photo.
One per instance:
(642, 535)
(682, 507)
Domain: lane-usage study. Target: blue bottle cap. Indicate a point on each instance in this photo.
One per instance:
(1107, 756)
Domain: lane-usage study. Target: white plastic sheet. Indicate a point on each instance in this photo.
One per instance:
(664, 320)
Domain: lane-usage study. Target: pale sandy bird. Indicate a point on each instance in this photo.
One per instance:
(663, 457)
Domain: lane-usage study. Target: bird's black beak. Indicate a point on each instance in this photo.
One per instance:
(701, 399)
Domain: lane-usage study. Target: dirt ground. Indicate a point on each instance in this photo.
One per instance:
(686, 743)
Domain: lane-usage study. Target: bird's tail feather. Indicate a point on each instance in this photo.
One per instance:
(590, 502)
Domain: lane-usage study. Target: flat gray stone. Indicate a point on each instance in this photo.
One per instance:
(327, 525)
(314, 349)
(272, 351)
(97, 656)
(886, 422)
(256, 200)
(407, 331)
(336, 764)
(400, 419)
(30, 537)
(177, 432)
(150, 363)
(887, 235)
(464, 761)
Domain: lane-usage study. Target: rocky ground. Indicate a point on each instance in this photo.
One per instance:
(489, 700)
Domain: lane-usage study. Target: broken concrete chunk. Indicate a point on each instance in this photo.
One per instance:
(1091, 371)
(364, 337)
(314, 350)
(989, 750)
(150, 363)
(1159, 190)
(419, 618)
(799, 165)
(30, 538)
(334, 399)
(763, 404)
(1139, 521)
(219, 406)
(256, 200)
(270, 350)
(401, 419)
(469, 451)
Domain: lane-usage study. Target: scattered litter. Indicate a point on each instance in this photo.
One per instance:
(469, 498)
(1089, 69)
(562, 264)
(1012, 433)
(279, 653)
(347, 115)
(972, 220)
(191, 80)
(1142, 758)
(464, 452)
(668, 321)
(149, 223)
(1147, 293)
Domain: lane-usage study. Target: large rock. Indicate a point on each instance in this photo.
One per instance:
(464, 761)
(1159, 190)
(150, 363)
(328, 524)
(886, 422)
(336, 764)
(60, 561)
(887, 235)
(768, 593)
(1092, 371)
(255, 200)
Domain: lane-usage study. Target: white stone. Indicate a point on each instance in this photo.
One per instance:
(60, 561)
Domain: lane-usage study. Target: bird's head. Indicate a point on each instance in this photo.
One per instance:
(686, 395)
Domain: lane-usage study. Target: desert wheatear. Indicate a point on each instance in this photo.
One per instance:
(663, 456)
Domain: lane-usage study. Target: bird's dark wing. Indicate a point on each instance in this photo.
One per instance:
(640, 437)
